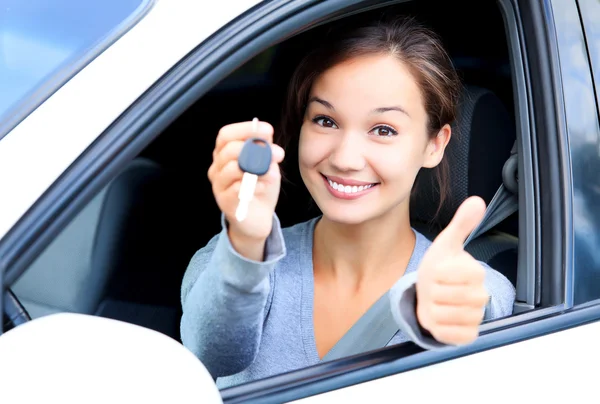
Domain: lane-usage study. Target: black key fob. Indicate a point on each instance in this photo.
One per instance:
(255, 157)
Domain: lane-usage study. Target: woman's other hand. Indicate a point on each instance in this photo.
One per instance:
(451, 296)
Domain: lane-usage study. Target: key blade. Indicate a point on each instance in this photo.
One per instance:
(242, 211)
(247, 187)
(252, 161)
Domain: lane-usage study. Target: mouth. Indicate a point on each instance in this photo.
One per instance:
(348, 189)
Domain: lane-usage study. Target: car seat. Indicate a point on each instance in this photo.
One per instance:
(116, 258)
(483, 136)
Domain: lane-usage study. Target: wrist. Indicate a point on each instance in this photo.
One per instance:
(424, 331)
(251, 248)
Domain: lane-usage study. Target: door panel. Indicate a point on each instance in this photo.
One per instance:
(491, 375)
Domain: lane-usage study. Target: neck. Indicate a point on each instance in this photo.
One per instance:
(377, 250)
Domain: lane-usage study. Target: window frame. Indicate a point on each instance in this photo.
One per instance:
(551, 184)
(528, 269)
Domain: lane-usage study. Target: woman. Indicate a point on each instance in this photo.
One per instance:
(369, 108)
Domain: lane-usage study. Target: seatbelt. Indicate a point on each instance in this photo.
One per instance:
(505, 201)
(377, 326)
(372, 331)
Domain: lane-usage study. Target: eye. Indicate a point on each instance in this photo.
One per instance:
(325, 122)
(384, 131)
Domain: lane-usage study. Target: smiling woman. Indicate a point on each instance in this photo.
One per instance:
(369, 108)
(435, 85)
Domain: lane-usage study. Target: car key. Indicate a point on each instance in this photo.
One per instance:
(254, 161)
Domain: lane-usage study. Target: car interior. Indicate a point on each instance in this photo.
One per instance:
(124, 255)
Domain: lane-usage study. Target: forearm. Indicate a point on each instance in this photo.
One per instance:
(224, 309)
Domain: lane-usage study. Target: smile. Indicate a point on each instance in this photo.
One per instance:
(348, 189)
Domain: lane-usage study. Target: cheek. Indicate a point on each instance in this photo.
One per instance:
(400, 163)
(311, 149)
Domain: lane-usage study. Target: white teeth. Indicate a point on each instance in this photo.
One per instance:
(348, 189)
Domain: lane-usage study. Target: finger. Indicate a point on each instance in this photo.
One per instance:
(468, 215)
(232, 150)
(455, 315)
(242, 131)
(229, 152)
(229, 174)
(277, 152)
(273, 175)
(455, 335)
(459, 295)
(227, 198)
(460, 270)
(210, 173)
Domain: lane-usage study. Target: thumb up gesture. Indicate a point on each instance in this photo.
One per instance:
(451, 295)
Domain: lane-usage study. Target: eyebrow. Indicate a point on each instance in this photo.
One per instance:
(394, 108)
(322, 102)
(375, 111)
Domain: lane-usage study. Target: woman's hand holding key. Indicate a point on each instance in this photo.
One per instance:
(248, 236)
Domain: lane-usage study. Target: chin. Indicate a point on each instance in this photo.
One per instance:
(350, 215)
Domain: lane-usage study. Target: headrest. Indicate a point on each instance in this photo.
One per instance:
(482, 138)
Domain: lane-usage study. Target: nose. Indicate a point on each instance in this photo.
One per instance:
(348, 153)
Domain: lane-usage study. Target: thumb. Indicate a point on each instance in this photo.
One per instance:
(468, 215)
(277, 152)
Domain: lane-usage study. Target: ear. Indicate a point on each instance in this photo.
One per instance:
(436, 147)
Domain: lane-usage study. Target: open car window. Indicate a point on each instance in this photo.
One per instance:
(133, 237)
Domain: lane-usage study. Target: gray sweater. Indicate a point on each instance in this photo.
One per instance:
(247, 320)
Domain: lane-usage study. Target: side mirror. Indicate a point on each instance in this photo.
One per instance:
(77, 358)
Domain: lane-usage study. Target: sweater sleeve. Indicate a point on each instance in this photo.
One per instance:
(223, 297)
(403, 305)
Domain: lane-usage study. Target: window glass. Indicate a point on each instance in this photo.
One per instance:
(584, 140)
(590, 15)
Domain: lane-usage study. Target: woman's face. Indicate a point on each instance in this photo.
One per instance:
(364, 139)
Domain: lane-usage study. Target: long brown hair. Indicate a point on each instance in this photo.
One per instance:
(419, 48)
